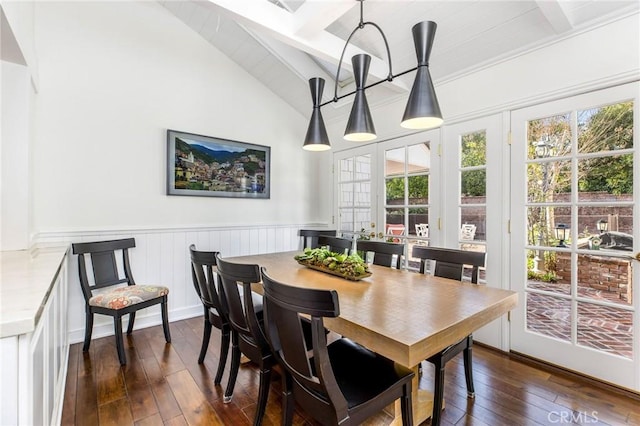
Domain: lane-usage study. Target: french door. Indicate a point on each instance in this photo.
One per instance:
(354, 175)
(409, 197)
(473, 207)
(575, 207)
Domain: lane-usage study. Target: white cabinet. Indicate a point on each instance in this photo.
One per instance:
(34, 362)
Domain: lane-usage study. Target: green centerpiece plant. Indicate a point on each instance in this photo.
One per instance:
(349, 266)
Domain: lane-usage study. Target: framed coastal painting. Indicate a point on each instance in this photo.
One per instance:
(214, 167)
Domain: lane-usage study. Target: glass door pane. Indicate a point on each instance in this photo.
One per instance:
(574, 232)
(354, 186)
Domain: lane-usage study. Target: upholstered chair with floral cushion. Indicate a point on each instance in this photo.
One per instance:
(112, 290)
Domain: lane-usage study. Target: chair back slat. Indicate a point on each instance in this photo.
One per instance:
(310, 236)
(283, 306)
(104, 267)
(336, 244)
(235, 281)
(203, 265)
(450, 262)
(383, 252)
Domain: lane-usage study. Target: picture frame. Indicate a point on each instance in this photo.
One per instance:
(207, 166)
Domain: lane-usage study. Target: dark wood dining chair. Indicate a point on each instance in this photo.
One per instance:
(116, 301)
(449, 263)
(341, 383)
(336, 244)
(383, 252)
(310, 236)
(203, 272)
(244, 310)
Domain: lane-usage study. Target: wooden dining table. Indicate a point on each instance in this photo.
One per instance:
(402, 315)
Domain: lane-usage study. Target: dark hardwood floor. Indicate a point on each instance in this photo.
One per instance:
(162, 384)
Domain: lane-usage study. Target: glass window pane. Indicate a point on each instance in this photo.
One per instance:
(549, 271)
(549, 137)
(606, 128)
(347, 220)
(473, 149)
(606, 329)
(362, 219)
(544, 223)
(610, 174)
(419, 222)
(419, 157)
(603, 277)
(363, 167)
(606, 227)
(418, 189)
(473, 183)
(548, 315)
(362, 194)
(473, 223)
(549, 181)
(346, 194)
(394, 162)
(395, 217)
(395, 190)
(346, 169)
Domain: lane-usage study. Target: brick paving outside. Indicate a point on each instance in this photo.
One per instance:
(601, 327)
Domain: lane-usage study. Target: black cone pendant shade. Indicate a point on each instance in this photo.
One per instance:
(423, 110)
(317, 138)
(360, 125)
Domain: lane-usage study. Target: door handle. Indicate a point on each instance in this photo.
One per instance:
(637, 256)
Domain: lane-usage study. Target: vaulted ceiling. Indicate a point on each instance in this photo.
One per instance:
(283, 43)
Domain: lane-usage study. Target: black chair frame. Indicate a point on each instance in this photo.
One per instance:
(203, 272)
(342, 383)
(105, 273)
(450, 264)
(383, 252)
(310, 236)
(336, 244)
(247, 335)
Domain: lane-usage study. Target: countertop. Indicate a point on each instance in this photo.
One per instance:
(26, 279)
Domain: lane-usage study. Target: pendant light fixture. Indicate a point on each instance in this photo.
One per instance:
(317, 138)
(422, 110)
(360, 125)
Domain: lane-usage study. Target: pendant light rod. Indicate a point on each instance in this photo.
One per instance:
(360, 26)
(346, 95)
(421, 112)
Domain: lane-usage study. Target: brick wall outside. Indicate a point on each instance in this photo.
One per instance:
(598, 273)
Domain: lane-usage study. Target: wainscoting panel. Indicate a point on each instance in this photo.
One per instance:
(161, 256)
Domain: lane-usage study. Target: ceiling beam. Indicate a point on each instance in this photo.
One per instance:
(270, 20)
(554, 12)
(314, 16)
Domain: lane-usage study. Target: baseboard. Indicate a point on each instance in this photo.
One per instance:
(142, 321)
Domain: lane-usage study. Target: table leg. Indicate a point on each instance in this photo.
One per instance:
(422, 401)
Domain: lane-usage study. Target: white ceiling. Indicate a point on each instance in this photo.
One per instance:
(283, 43)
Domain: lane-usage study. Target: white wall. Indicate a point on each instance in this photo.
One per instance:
(604, 55)
(113, 77)
(14, 158)
(20, 15)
